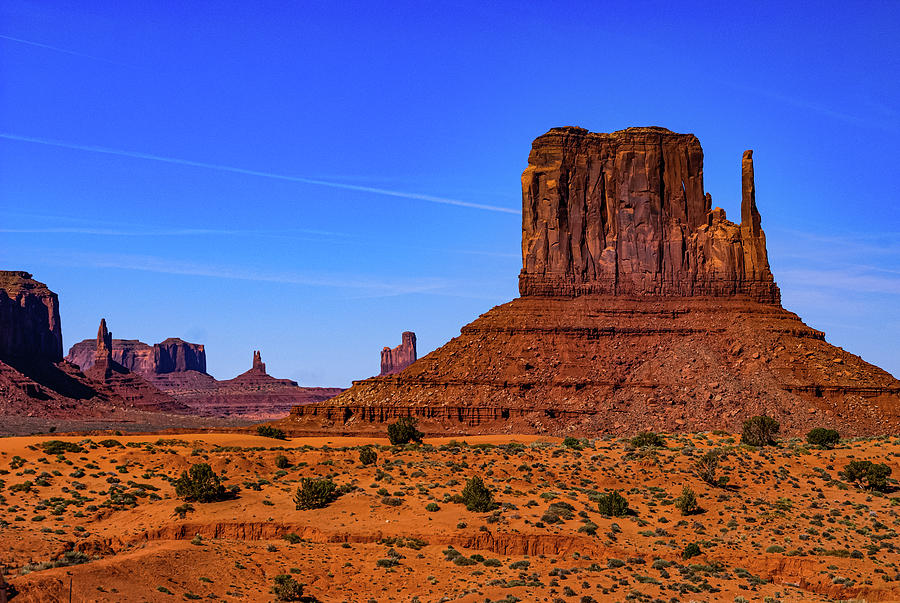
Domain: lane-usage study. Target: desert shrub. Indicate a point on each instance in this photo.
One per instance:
(826, 438)
(282, 462)
(111, 443)
(866, 474)
(477, 496)
(200, 484)
(432, 507)
(648, 439)
(267, 431)
(691, 550)
(759, 431)
(687, 502)
(315, 493)
(612, 504)
(182, 510)
(707, 466)
(60, 447)
(573, 443)
(404, 431)
(286, 588)
(291, 537)
(367, 455)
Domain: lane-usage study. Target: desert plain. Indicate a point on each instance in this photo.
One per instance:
(105, 524)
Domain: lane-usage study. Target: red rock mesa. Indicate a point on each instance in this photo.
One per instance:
(642, 307)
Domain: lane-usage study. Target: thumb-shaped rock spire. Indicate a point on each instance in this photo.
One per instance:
(750, 218)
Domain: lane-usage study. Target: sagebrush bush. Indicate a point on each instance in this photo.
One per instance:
(367, 455)
(404, 431)
(573, 443)
(826, 438)
(687, 502)
(759, 431)
(200, 484)
(315, 493)
(282, 462)
(866, 474)
(691, 550)
(286, 588)
(60, 447)
(612, 504)
(477, 496)
(648, 439)
(267, 431)
(707, 466)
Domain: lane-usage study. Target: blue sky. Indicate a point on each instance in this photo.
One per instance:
(311, 179)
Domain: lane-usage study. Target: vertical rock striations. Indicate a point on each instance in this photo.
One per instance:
(29, 319)
(394, 360)
(625, 214)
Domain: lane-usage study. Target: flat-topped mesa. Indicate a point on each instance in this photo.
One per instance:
(29, 319)
(173, 355)
(625, 214)
(394, 360)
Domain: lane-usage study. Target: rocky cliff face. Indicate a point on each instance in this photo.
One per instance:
(625, 214)
(394, 360)
(171, 356)
(176, 356)
(29, 319)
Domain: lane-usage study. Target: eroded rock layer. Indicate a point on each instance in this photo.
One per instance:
(642, 308)
(602, 363)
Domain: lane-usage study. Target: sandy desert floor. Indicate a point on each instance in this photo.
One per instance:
(786, 528)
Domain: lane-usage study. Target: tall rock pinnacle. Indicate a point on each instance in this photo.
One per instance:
(258, 364)
(749, 214)
(104, 341)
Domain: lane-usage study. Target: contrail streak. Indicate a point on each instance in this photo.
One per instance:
(58, 49)
(237, 170)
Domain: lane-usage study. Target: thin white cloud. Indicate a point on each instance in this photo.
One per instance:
(62, 50)
(849, 281)
(807, 105)
(237, 170)
(145, 263)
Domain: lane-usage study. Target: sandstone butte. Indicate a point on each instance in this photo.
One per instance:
(641, 307)
(394, 360)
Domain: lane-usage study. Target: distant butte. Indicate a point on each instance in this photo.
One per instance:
(642, 307)
(394, 360)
